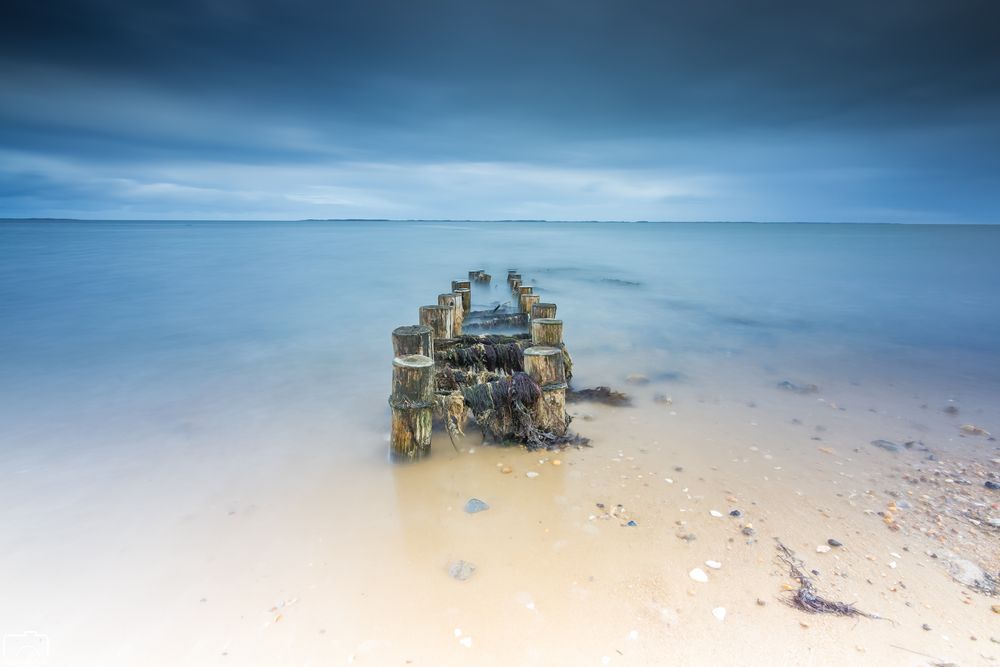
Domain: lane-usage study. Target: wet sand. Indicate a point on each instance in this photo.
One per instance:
(297, 561)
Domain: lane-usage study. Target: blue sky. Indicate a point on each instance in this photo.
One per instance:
(614, 110)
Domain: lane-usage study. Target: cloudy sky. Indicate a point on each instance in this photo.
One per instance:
(485, 109)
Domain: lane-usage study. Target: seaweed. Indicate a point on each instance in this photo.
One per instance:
(489, 356)
(501, 408)
(805, 598)
(496, 321)
(605, 395)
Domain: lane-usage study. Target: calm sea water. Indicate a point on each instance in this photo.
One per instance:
(117, 331)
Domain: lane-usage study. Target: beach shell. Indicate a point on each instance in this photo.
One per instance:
(698, 575)
(719, 613)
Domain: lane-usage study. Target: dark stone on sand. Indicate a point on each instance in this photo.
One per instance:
(992, 485)
(834, 543)
(887, 445)
(926, 627)
(735, 513)
(798, 388)
(475, 505)
(951, 410)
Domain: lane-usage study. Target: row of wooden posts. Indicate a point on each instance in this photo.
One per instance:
(413, 396)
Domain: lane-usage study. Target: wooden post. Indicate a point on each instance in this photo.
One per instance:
(466, 294)
(414, 339)
(527, 301)
(515, 286)
(510, 274)
(545, 366)
(543, 310)
(456, 284)
(547, 332)
(525, 289)
(474, 275)
(412, 404)
(440, 319)
(454, 301)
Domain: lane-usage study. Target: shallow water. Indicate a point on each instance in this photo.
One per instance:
(195, 426)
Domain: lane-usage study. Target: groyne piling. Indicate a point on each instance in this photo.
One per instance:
(412, 403)
(512, 385)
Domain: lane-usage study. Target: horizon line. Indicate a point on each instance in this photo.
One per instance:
(507, 220)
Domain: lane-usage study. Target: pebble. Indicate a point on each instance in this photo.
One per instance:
(698, 575)
(474, 505)
(926, 627)
(717, 514)
(823, 549)
(461, 570)
(834, 543)
(735, 513)
(990, 484)
(714, 564)
(531, 474)
(556, 462)
(506, 470)
(972, 429)
(719, 613)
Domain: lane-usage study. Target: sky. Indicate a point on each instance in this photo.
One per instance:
(855, 111)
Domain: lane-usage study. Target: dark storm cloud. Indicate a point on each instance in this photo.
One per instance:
(757, 91)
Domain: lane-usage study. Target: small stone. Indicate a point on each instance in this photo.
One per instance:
(761, 603)
(556, 462)
(506, 470)
(461, 570)
(996, 608)
(698, 575)
(735, 513)
(717, 514)
(631, 523)
(951, 410)
(887, 445)
(926, 627)
(834, 543)
(990, 484)
(823, 549)
(972, 429)
(719, 613)
(474, 505)
(531, 474)
(748, 531)
(714, 564)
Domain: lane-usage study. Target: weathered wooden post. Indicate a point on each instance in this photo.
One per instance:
(525, 289)
(546, 332)
(455, 284)
(543, 310)
(545, 366)
(412, 404)
(515, 286)
(440, 319)
(474, 275)
(413, 339)
(454, 301)
(466, 294)
(527, 301)
(510, 274)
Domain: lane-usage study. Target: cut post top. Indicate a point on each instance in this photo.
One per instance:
(526, 289)
(455, 284)
(539, 351)
(414, 361)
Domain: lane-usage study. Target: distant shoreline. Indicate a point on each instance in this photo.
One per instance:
(539, 221)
